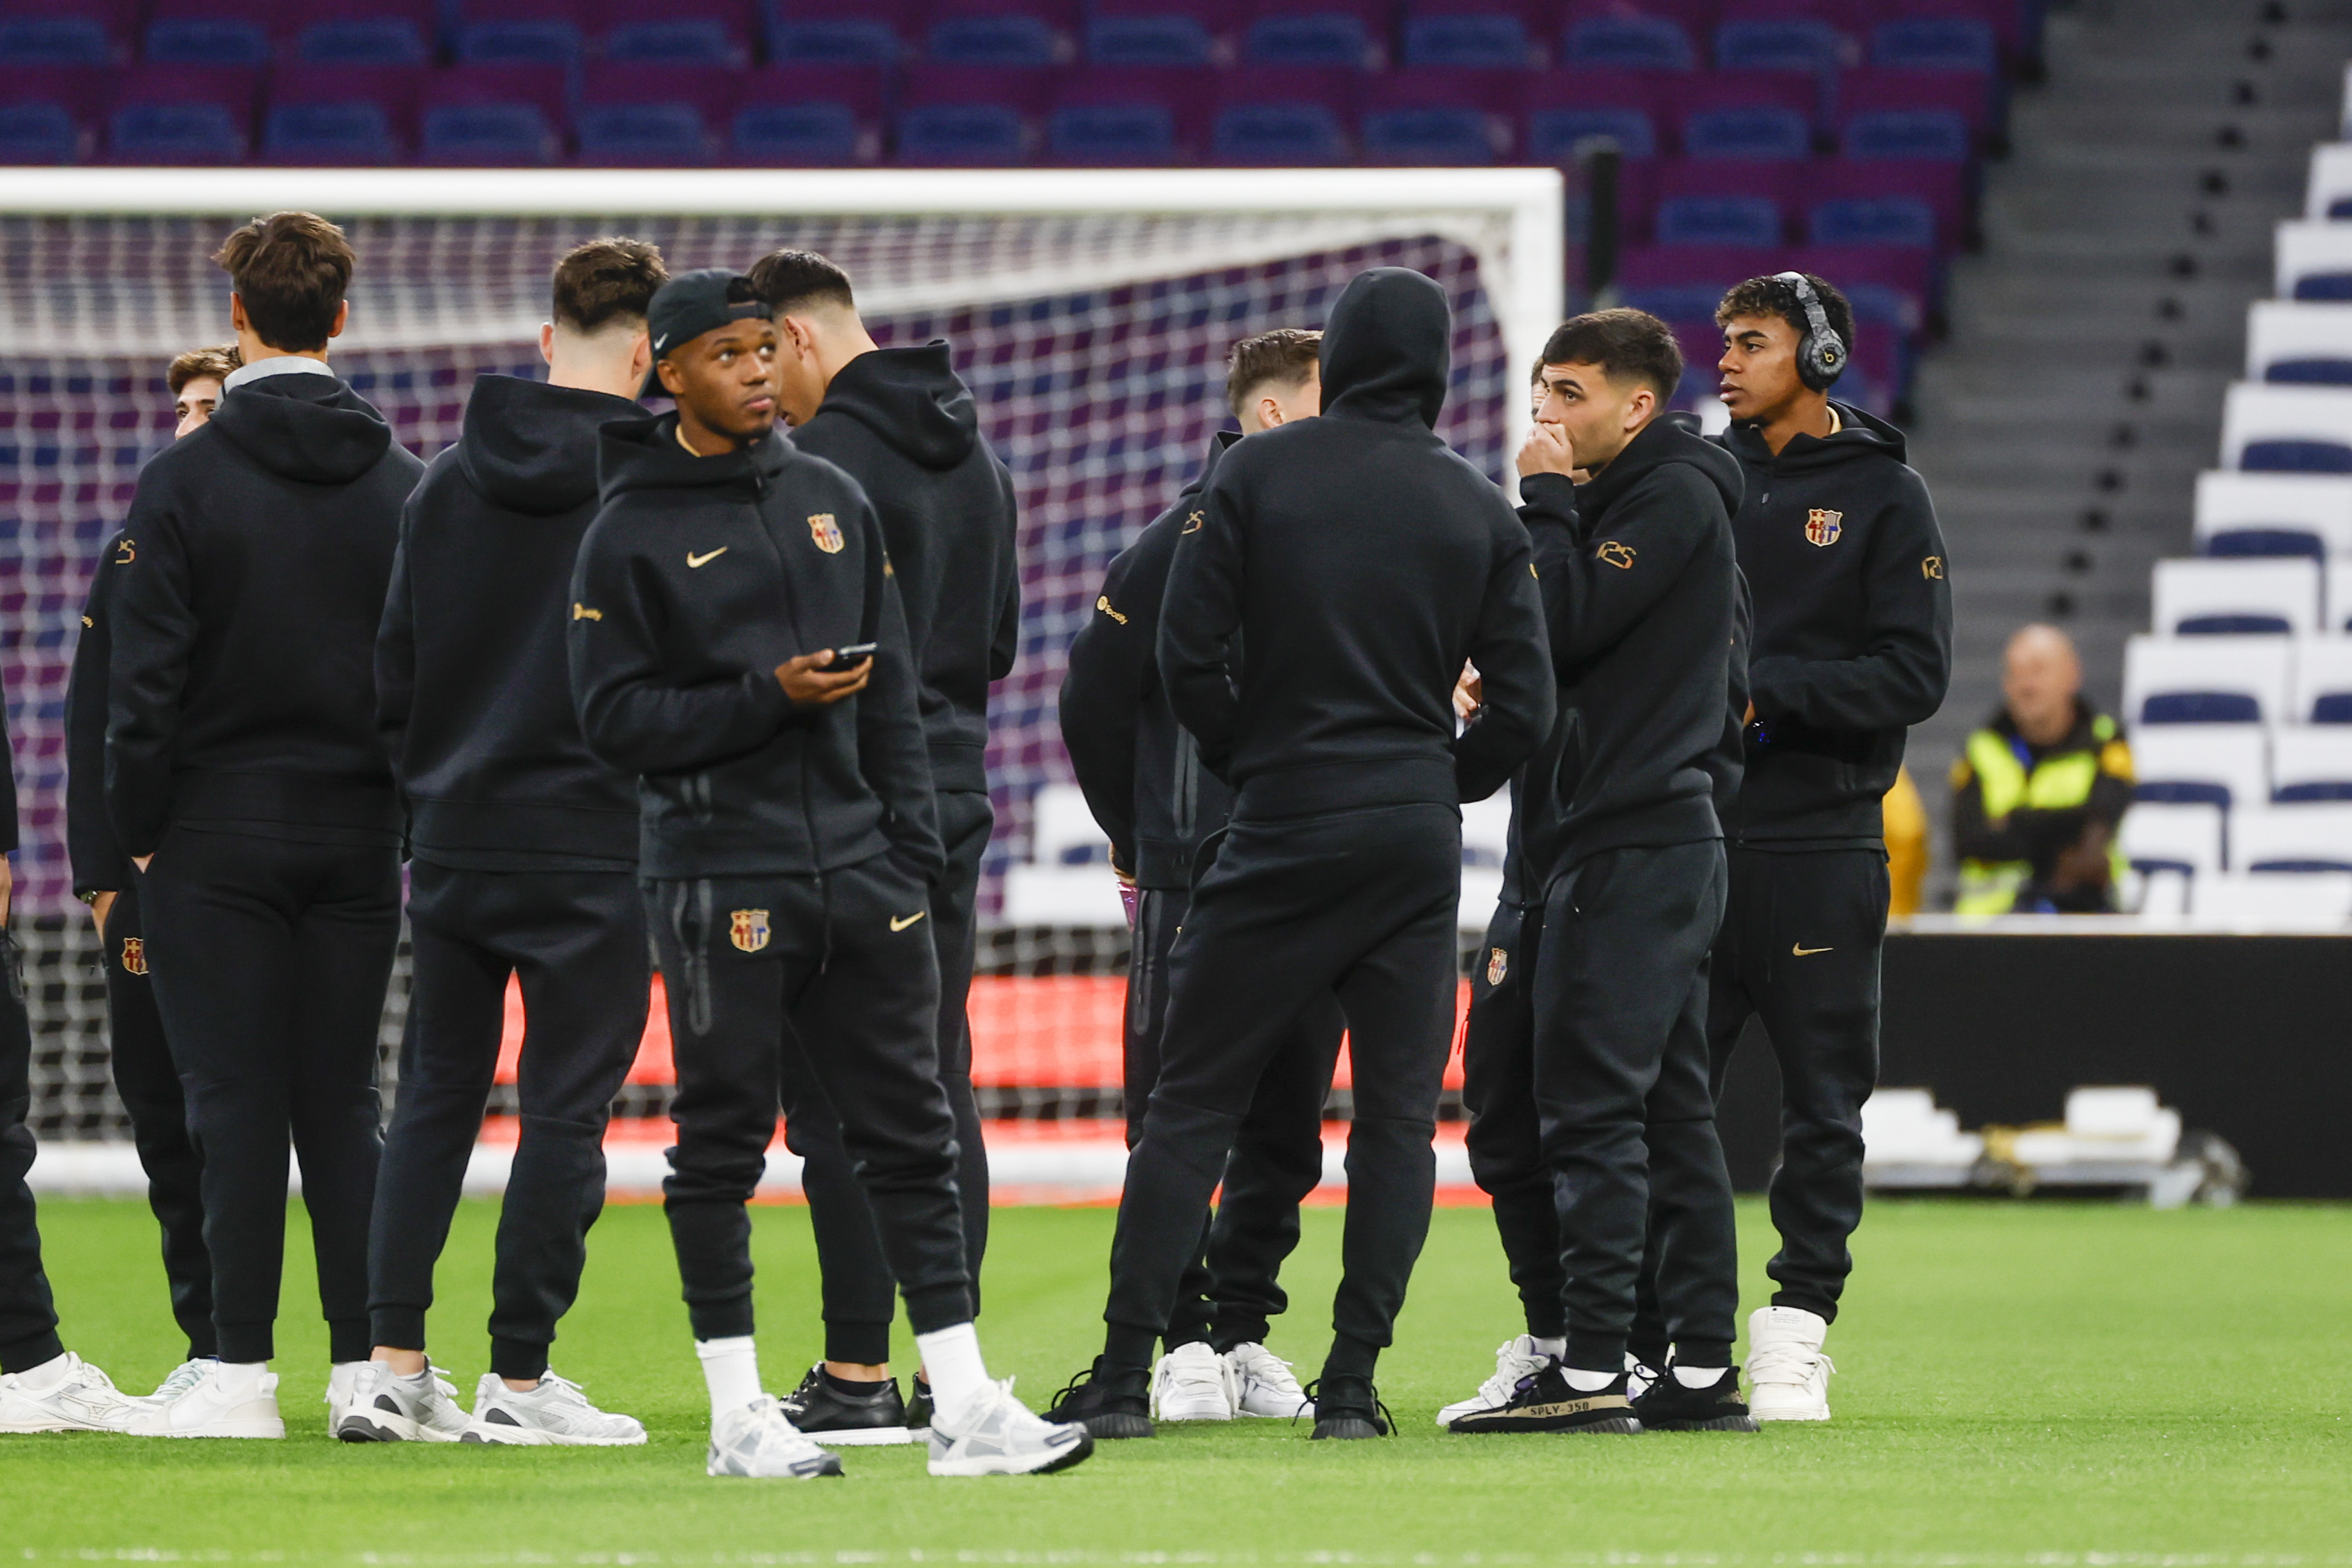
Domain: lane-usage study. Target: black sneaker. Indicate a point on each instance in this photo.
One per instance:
(1544, 1402)
(835, 1414)
(1669, 1406)
(919, 1409)
(1106, 1403)
(1347, 1407)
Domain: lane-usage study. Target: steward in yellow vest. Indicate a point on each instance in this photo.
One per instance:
(2034, 827)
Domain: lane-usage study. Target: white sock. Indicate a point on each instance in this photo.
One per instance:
(952, 1356)
(47, 1376)
(1587, 1382)
(242, 1379)
(1549, 1347)
(731, 1368)
(418, 1379)
(1698, 1376)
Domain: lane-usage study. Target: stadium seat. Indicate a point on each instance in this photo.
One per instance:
(334, 116)
(209, 33)
(2274, 514)
(518, 33)
(676, 33)
(1128, 116)
(2226, 766)
(1935, 43)
(502, 115)
(1294, 116)
(371, 33)
(654, 116)
(2312, 836)
(1685, 282)
(181, 114)
(1627, 41)
(2251, 597)
(2186, 839)
(2312, 261)
(1444, 118)
(2287, 429)
(2323, 681)
(1938, 116)
(1564, 108)
(1469, 34)
(2269, 900)
(1774, 36)
(67, 33)
(1067, 879)
(964, 116)
(1717, 114)
(1896, 284)
(2311, 761)
(1885, 202)
(1720, 202)
(2299, 342)
(805, 33)
(2328, 192)
(2206, 680)
(1161, 32)
(808, 117)
(1004, 33)
(50, 114)
(1348, 33)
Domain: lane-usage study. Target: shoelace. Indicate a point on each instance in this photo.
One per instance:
(1071, 1389)
(1512, 1371)
(1314, 1392)
(1774, 1364)
(1257, 1366)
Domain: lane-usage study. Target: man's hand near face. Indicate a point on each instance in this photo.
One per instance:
(1547, 450)
(810, 685)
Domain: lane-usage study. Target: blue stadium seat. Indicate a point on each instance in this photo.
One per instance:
(1295, 117)
(49, 113)
(1758, 131)
(363, 41)
(1872, 220)
(1792, 44)
(506, 115)
(1134, 116)
(519, 40)
(2324, 286)
(848, 40)
(1149, 41)
(996, 38)
(1308, 39)
(1629, 43)
(56, 40)
(1932, 134)
(1483, 40)
(1553, 134)
(674, 41)
(1935, 43)
(2315, 372)
(2240, 542)
(1718, 220)
(809, 116)
(2296, 457)
(181, 115)
(206, 41)
(962, 117)
(662, 116)
(331, 134)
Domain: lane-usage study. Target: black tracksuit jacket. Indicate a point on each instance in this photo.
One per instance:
(1140, 770)
(242, 681)
(903, 421)
(1641, 603)
(99, 865)
(698, 578)
(1359, 561)
(473, 693)
(1853, 633)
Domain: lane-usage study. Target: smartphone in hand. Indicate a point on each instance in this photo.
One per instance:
(846, 660)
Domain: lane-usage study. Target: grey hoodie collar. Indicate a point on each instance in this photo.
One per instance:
(275, 365)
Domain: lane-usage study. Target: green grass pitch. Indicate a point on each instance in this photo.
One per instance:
(2041, 1383)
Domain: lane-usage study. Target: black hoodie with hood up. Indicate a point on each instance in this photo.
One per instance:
(1140, 770)
(242, 679)
(473, 693)
(1359, 560)
(902, 423)
(1641, 602)
(698, 578)
(1854, 629)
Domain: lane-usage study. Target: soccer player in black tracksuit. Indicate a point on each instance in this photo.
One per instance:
(903, 424)
(144, 1075)
(1358, 563)
(246, 781)
(1852, 644)
(524, 851)
(789, 846)
(1616, 824)
(1143, 779)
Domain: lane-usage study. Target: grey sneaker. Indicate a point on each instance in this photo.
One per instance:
(554, 1414)
(999, 1436)
(385, 1407)
(755, 1440)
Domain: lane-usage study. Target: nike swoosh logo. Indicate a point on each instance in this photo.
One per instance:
(900, 922)
(694, 560)
(1803, 952)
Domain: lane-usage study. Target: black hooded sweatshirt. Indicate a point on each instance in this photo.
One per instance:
(698, 578)
(902, 423)
(473, 693)
(242, 676)
(1140, 770)
(1853, 630)
(1641, 602)
(1359, 561)
(99, 865)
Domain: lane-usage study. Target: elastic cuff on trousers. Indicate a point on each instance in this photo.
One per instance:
(1595, 1353)
(721, 1319)
(1129, 1349)
(397, 1328)
(1648, 1351)
(1350, 1358)
(30, 1351)
(859, 1344)
(521, 1360)
(258, 1342)
(1701, 1352)
(1552, 1326)
(347, 1339)
(1820, 1307)
(937, 1307)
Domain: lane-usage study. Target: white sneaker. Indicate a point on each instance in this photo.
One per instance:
(554, 1414)
(1788, 1376)
(342, 1386)
(182, 1378)
(84, 1400)
(1640, 1377)
(1514, 1360)
(209, 1410)
(1193, 1382)
(996, 1434)
(1263, 1384)
(385, 1407)
(755, 1440)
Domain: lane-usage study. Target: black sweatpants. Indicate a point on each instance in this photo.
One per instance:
(1505, 1136)
(1359, 905)
(148, 1082)
(29, 1314)
(1230, 1291)
(837, 969)
(269, 959)
(1799, 949)
(575, 942)
(1620, 1087)
(857, 1293)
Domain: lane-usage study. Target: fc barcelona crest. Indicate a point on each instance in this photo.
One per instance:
(747, 930)
(1821, 525)
(134, 955)
(826, 531)
(1498, 963)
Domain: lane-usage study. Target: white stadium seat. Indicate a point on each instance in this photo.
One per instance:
(2312, 762)
(2312, 259)
(2186, 838)
(2206, 679)
(1067, 880)
(2268, 899)
(2313, 837)
(2323, 681)
(2330, 180)
(2299, 340)
(2254, 595)
(2224, 764)
(2305, 428)
(2236, 511)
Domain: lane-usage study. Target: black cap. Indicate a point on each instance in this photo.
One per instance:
(691, 304)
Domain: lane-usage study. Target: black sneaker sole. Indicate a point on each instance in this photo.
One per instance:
(1719, 1423)
(1115, 1424)
(1078, 1450)
(1613, 1426)
(1346, 1428)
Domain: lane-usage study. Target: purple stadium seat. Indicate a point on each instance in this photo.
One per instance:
(1936, 43)
(654, 116)
(504, 115)
(1635, 34)
(675, 33)
(1562, 107)
(1969, 95)
(2011, 24)
(1477, 34)
(1886, 202)
(210, 32)
(1723, 201)
(810, 32)
(1291, 116)
(67, 32)
(964, 116)
(1685, 282)
(1904, 282)
(1000, 32)
(519, 32)
(361, 33)
(1129, 116)
(329, 116)
(1317, 32)
(1163, 32)
(181, 114)
(1724, 114)
(1442, 117)
(49, 113)
(809, 116)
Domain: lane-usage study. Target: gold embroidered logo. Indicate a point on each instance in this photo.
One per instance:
(87, 623)
(826, 531)
(1102, 603)
(1193, 524)
(1618, 555)
(1498, 963)
(1932, 568)
(706, 558)
(582, 613)
(126, 551)
(134, 955)
(900, 922)
(747, 930)
(1821, 525)
(1799, 949)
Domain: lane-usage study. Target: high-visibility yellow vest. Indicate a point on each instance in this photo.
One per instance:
(2059, 781)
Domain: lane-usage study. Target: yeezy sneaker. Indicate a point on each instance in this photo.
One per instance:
(1263, 1385)
(1108, 1405)
(1788, 1376)
(555, 1414)
(918, 1410)
(83, 1399)
(823, 1409)
(1516, 1360)
(1193, 1382)
(1672, 1406)
(208, 1409)
(182, 1378)
(755, 1440)
(1544, 1403)
(1346, 1407)
(385, 1407)
(996, 1434)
